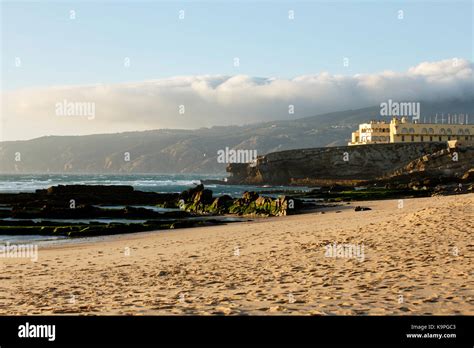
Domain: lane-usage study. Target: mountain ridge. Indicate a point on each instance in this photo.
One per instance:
(188, 151)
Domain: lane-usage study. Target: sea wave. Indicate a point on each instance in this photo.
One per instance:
(157, 183)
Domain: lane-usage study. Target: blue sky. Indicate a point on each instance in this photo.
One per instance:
(55, 50)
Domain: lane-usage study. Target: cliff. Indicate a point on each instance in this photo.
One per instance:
(351, 165)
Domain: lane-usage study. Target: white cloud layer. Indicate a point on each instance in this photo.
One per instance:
(224, 100)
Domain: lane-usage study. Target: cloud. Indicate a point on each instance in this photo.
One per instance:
(223, 100)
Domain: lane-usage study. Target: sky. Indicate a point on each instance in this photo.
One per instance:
(139, 61)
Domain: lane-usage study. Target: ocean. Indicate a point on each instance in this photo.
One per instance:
(13, 183)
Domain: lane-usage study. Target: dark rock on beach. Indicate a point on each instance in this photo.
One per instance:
(221, 204)
(200, 200)
(62, 195)
(82, 202)
(359, 208)
(91, 212)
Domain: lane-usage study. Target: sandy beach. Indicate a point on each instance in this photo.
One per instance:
(410, 257)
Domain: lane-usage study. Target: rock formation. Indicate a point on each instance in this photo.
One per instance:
(355, 165)
(200, 200)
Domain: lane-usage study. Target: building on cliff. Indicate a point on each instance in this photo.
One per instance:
(404, 131)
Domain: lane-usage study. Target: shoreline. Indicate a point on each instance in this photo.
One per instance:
(258, 219)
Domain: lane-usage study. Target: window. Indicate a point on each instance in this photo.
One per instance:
(412, 138)
(442, 131)
(439, 138)
(431, 131)
(431, 138)
(403, 138)
(422, 138)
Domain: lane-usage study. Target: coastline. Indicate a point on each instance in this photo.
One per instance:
(268, 266)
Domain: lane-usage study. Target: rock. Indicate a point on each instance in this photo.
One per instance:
(285, 205)
(469, 175)
(249, 196)
(263, 202)
(203, 197)
(188, 194)
(196, 199)
(359, 208)
(447, 189)
(428, 182)
(73, 190)
(414, 185)
(325, 166)
(221, 204)
(253, 204)
(340, 188)
(60, 196)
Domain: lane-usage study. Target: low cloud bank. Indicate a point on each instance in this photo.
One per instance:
(203, 101)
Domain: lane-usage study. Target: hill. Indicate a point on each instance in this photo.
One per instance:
(189, 151)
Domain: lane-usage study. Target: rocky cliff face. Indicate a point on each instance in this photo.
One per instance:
(446, 163)
(347, 165)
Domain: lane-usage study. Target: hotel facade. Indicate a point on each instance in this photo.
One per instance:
(404, 131)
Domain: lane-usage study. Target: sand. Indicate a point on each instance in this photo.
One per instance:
(417, 259)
